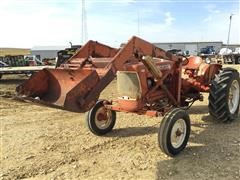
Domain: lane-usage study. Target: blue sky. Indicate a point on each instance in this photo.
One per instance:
(28, 23)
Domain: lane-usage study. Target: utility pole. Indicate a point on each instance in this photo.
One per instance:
(84, 23)
(230, 23)
(138, 23)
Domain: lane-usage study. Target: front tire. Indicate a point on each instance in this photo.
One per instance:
(224, 95)
(174, 132)
(100, 120)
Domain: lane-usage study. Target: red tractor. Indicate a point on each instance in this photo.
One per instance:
(150, 81)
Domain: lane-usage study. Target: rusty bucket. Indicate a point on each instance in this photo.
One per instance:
(61, 88)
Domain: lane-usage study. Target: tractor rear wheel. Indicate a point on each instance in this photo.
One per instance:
(100, 120)
(174, 132)
(224, 95)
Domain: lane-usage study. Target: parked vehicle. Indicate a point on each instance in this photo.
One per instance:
(32, 60)
(229, 56)
(64, 55)
(150, 82)
(208, 50)
(21, 65)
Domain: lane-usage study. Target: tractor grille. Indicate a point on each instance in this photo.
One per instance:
(128, 85)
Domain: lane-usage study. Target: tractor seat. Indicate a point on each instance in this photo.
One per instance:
(194, 63)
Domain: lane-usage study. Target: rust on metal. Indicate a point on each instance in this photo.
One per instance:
(151, 86)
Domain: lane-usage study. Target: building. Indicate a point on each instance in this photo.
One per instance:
(231, 46)
(192, 47)
(46, 52)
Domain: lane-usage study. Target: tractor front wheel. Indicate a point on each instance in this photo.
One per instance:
(174, 132)
(100, 120)
(224, 95)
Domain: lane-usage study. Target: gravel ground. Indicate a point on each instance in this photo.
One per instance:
(43, 143)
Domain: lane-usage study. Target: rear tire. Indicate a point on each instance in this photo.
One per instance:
(224, 96)
(174, 132)
(100, 120)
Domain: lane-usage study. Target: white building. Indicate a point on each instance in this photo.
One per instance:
(192, 47)
(46, 52)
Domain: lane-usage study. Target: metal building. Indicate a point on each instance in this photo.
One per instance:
(231, 46)
(46, 52)
(192, 47)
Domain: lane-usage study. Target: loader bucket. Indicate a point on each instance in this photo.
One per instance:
(61, 88)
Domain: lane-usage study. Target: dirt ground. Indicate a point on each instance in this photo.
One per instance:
(43, 143)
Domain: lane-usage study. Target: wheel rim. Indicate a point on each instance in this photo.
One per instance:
(103, 118)
(178, 133)
(233, 97)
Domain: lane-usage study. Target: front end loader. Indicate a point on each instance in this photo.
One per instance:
(150, 82)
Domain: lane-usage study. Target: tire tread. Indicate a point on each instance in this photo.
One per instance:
(218, 99)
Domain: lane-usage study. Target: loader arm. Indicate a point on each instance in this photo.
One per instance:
(91, 49)
(135, 48)
(78, 89)
(94, 49)
(138, 48)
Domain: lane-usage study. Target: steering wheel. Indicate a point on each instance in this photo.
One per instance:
(184, 58)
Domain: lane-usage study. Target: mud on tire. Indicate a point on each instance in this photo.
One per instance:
(224, 95)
